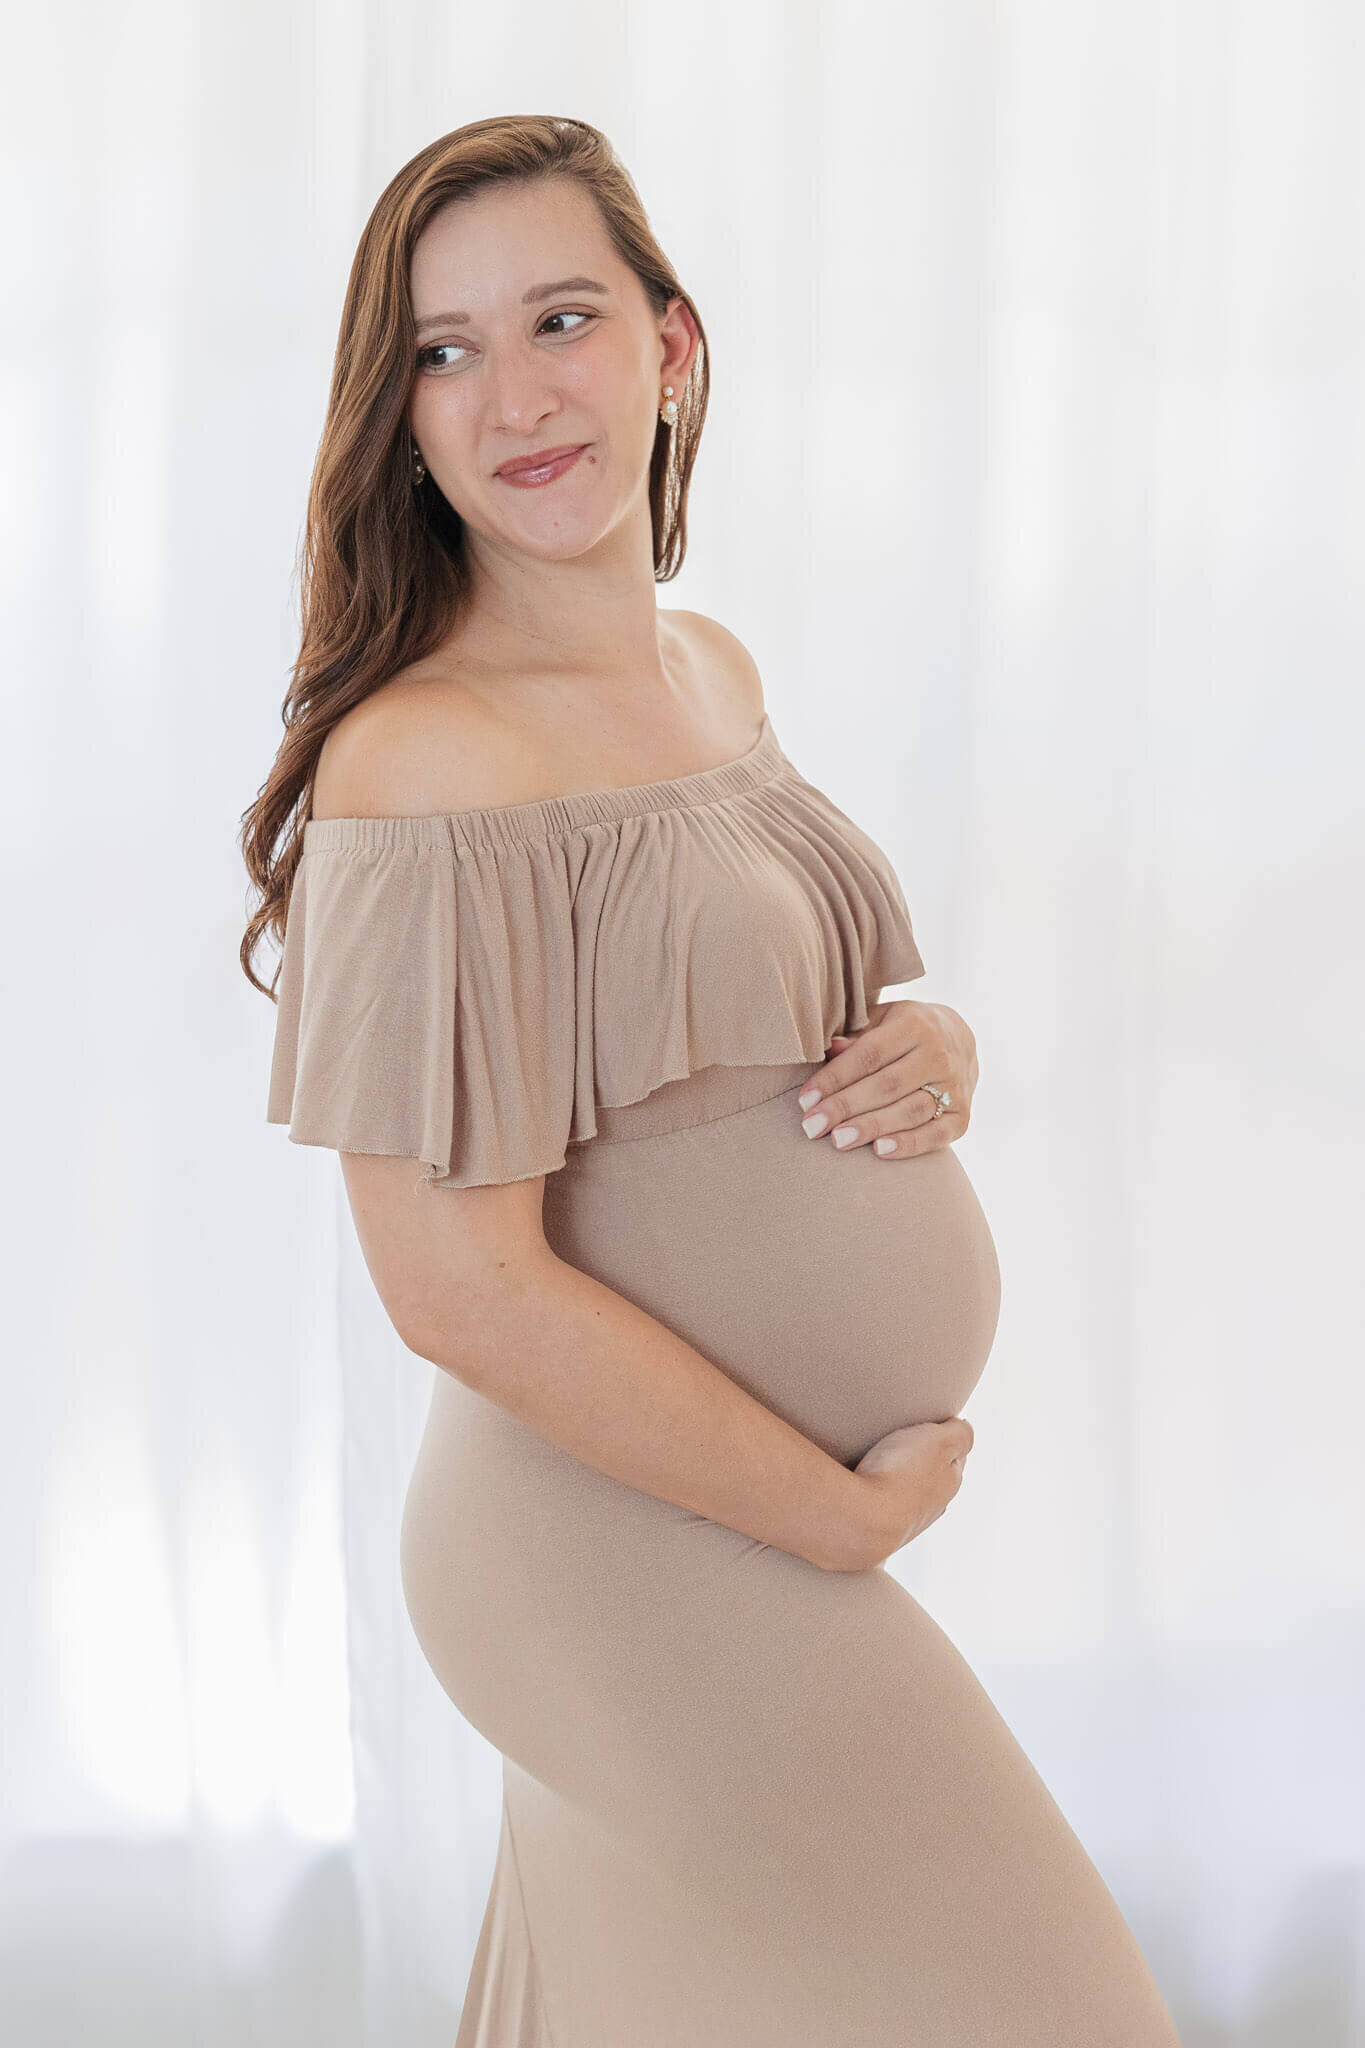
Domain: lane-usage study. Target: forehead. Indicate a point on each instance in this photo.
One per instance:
(479, 254)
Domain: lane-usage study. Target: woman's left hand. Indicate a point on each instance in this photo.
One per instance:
(871, 1090)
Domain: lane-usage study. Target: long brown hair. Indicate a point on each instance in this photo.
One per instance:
(382, 567)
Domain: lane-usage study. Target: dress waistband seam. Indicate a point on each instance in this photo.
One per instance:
(676, 1130)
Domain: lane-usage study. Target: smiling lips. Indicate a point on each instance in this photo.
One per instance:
(541, 468)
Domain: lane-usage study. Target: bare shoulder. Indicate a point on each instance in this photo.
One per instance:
(727, 660)
(417, 746)
(422, 744)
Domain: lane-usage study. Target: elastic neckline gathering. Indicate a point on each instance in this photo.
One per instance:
(510, 824)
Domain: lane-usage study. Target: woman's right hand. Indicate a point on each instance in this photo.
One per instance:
(907, 1480)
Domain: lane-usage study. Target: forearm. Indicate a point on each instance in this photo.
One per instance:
(602, 1379)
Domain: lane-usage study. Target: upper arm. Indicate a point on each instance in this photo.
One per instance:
(440, 1257)
(369, 1027)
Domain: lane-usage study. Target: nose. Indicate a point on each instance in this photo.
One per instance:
(521, 392)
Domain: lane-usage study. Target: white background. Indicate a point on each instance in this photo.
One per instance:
(1034, 477)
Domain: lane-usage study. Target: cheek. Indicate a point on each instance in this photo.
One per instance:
(620, 409)
(443, 427)
(431, 415)
(608, 381)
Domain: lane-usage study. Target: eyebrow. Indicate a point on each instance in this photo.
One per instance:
(529, 298)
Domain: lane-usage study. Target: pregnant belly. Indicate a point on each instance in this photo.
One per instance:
(848, 1293)
(566, 1614)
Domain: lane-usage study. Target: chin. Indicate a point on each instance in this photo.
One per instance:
(559, 536)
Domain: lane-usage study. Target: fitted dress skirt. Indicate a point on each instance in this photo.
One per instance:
(749, 1803)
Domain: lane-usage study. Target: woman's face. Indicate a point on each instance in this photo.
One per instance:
(506, 368)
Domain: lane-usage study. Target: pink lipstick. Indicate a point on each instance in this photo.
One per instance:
(527, 471)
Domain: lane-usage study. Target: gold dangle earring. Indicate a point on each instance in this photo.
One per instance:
(419, 467)
(668, 411)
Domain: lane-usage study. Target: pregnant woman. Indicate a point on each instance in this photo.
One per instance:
(581, 978)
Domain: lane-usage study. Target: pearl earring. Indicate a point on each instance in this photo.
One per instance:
(419, 467)
(668, 411)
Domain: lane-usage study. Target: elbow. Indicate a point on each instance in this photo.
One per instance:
(466, 1325)
(439, 1345)
(452, 1332)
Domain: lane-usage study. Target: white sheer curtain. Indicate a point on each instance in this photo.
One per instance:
(1035, 478)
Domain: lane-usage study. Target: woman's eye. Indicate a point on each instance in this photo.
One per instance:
(426, 357)
(435, 348)
(571, 316)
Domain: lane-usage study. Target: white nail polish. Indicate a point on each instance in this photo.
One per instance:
(883, 1145)
(811, 1095)
(813, 1125)
(845, 1135)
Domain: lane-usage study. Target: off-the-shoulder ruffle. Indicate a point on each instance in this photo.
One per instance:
(468, 989)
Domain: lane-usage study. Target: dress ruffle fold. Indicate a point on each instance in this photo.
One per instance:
(469, 989)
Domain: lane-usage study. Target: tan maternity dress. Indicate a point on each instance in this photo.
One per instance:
(747, 1803)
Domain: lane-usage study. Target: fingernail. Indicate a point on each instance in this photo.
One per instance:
(883, 1145)
(813, 1125)
(845, 1134)
(811, 1095)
